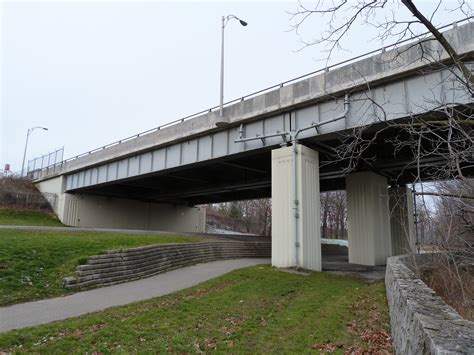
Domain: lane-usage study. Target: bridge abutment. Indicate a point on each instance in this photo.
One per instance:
(368, 218)
(296, 235)
(81, 210)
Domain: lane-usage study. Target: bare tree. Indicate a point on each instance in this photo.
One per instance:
(446, 133)
(333, 215)
(447, 217)
(341, 16)
(454, 214)
(255, 214)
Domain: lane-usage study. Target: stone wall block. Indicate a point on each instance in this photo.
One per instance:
(117, 266)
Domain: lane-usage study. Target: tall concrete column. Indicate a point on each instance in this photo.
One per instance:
(368, 219)
(296, 239)
(402, 224)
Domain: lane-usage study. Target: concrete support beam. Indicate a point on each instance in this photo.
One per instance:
(108, 212)
(402, 224)
(296, 239)
(368, 219)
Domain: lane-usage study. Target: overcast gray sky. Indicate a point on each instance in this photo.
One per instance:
(96, 72)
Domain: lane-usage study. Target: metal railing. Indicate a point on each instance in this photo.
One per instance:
(259, 92)
(45, 160)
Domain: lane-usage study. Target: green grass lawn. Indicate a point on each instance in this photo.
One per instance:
(252, 310)
(15, 217)
(34, 263)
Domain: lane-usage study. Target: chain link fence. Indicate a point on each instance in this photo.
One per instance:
(45, 160)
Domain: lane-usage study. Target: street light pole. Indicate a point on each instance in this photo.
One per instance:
(225, 20)
(30, 130)
(221, 110)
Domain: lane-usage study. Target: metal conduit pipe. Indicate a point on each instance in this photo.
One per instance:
(295, 200)
(319, 124)
(294, 135)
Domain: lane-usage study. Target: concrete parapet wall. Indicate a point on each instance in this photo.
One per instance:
(117, 266)
(422, 323)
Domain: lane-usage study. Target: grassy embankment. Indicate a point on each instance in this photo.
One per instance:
(253, 310)
(34, 263)
(18, 217)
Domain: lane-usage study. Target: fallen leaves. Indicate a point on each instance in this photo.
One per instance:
(326, 348)
(352, 328)
(197, 347)
(79, 333)
(378, 339)
(233, 324)
(370, 333)
(230, 343)
(189, 296)
(361, 351)
(211, 343)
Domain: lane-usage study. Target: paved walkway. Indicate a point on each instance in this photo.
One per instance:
(40, 312)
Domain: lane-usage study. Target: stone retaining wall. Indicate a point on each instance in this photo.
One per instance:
(117, 266)
(422, 323)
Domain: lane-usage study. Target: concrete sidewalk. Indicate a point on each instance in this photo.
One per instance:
(45, 311)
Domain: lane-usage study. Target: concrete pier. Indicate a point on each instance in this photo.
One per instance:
(402, 225)
(368, 219)
(296, 236)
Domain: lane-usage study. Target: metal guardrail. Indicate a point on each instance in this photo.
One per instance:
(256, 93)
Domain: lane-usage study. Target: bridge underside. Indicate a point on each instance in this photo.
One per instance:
(248, 175)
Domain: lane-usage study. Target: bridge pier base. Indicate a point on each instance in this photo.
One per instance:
(402, 224)
(368, 218)
(296, 235)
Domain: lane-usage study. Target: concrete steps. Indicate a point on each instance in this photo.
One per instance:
(117, 266)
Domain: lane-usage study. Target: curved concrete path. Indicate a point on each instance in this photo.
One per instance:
(50, 310)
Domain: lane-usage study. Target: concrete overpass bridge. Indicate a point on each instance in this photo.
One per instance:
(280, 143)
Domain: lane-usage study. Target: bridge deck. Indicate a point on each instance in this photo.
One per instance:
(200, 160)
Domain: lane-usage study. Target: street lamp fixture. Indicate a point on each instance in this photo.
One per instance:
(225, 20)
(30, 130)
